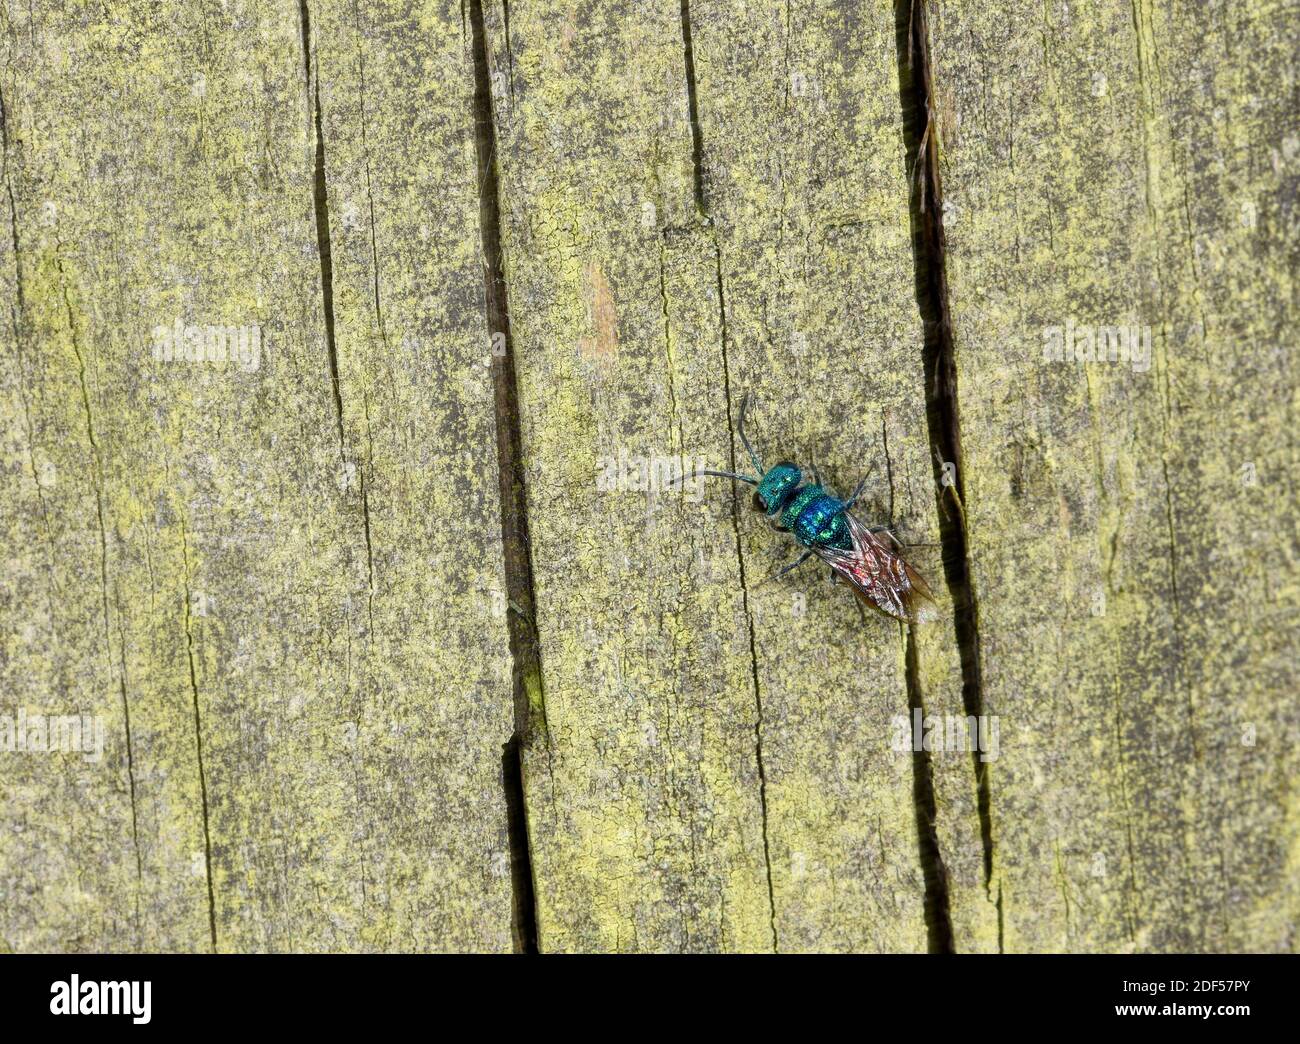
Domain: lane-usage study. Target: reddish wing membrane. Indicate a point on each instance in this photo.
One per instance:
(880, 577)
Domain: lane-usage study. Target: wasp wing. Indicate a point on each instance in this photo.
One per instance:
(880, 577)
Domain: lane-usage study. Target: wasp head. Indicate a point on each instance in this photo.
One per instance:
(776, 486)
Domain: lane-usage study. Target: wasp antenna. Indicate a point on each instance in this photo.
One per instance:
(740, 428)
(679, 479)
(728, 475)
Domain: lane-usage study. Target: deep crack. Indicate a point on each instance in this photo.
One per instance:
(915, 90)
(525, 649)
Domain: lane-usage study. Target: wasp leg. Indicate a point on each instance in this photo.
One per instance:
(889, 533)
(898, 543)
(857, 492)
(793, 565)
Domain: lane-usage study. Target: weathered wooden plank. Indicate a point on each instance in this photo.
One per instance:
(700, 787)
(112, 854)
(1132, 523)
(804, 179)
(398, 120)
(644, 794)
(317, 683)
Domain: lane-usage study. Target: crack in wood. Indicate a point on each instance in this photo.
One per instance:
(325, 249)
(915, 88)
(525, 650)
(198, 736)
(938, 919)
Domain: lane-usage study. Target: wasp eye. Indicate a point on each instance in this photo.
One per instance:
(758, 503)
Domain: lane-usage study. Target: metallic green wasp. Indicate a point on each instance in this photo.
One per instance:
(822, 525)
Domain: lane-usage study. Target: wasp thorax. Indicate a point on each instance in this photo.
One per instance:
(776, 487)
